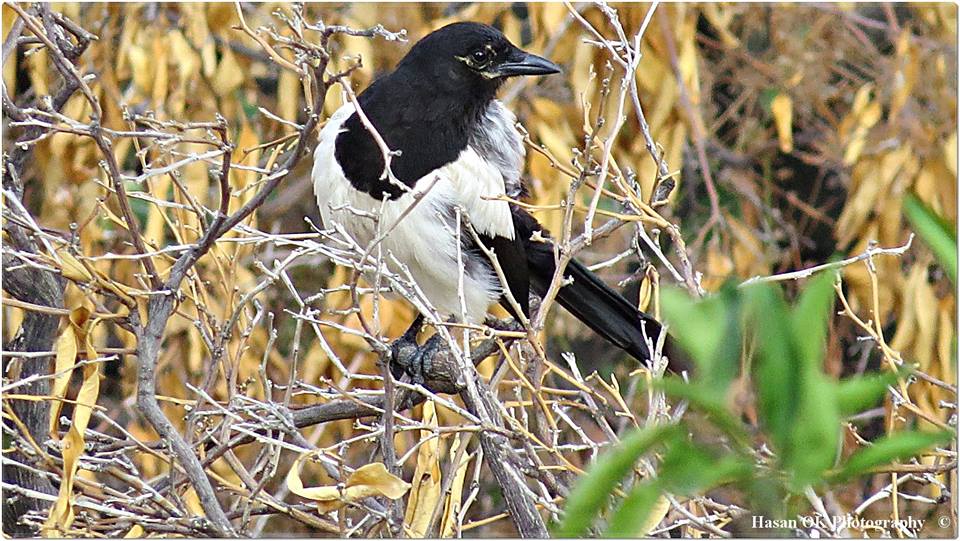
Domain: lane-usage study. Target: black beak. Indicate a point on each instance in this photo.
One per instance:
(527, 64)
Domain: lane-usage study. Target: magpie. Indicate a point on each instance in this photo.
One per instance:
(458, 147)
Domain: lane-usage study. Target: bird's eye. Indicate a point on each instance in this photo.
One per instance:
(479, 57)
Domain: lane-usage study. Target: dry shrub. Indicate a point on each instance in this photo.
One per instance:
(792, 133)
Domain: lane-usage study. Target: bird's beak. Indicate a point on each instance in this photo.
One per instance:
(527, 64)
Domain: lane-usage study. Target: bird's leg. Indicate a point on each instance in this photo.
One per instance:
(422, 363)
(405, 352)
(509, 324)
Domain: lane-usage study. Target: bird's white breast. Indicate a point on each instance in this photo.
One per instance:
(424, 239)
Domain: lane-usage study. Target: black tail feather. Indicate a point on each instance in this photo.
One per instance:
(593, 302)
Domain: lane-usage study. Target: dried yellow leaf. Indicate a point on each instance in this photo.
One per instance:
(555, 142)
(425, 494)
(924, 342)
(689, 71)
(61, 515)
(861, 99)
(657, 512)
(153, 233)
(719, 265)
(646, 293)
(288, 94)
(860, 201)
(367, 481)
(240, 179)
(229, 74)
(193, 502)
(10, 67)
(950, 153)
(66, 347)
(747, 250)
(867, 118)
(72, 268)
(451, 508)
(871, 114)
(782, 109)
(551, 14)
(141, 68)
(945, 338)
(188, 61)
(720, 16)
(38, 65)
(208, 54)
(161, 80)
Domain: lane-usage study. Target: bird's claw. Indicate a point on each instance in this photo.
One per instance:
(405, 352)
(407, 357)
(510, 324)
(402, 353)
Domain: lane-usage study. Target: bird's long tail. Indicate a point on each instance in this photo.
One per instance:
(595, 303)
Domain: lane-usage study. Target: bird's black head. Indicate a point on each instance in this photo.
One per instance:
(472, 57)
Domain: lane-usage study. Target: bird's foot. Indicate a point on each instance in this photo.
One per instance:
(416, 361)
(403, 352)
(406, 354)
(509, 324)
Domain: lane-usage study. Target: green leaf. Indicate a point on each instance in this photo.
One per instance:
(590, 495)
(631, 516)
(688, 469)
(766, 495)
(887, 449)
(709, 330)
(856, 394)
(140, 207)
(810, 318)
(815, 438)
(936, 232)
(797, 402)
(708, 399)
(775, 368)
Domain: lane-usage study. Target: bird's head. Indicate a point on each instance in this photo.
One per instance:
(472, 56)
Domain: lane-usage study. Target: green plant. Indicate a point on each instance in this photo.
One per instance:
(799, 410)
(936, 232)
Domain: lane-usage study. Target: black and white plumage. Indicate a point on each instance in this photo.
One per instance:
(460, 145)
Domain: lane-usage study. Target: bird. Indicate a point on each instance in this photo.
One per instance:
(453, 145)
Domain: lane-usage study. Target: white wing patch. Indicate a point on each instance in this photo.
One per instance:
(477, 182)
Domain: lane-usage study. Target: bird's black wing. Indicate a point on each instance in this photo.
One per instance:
(512, 258)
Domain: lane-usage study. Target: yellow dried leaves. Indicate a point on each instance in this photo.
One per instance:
(194, 64)
(452, 505)
(864, 114)
(659, 510)
(782, 109)
(9, 68)
(75, 334)
(425, 494)
(229, 75)
(426, 499)
(367, 481)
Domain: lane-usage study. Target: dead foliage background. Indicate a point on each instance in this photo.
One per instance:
(792, 132)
